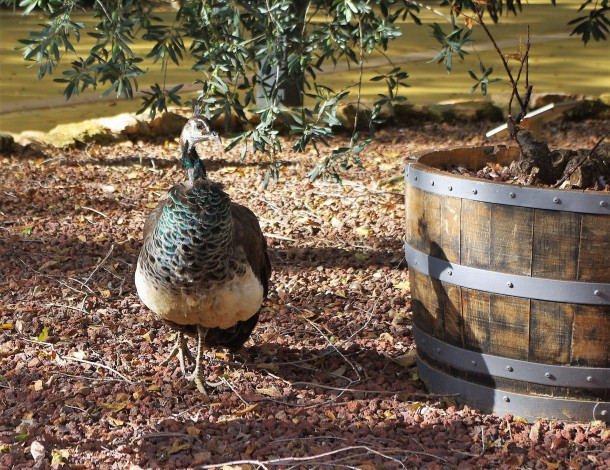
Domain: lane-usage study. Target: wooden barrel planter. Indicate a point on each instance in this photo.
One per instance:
(510, 289)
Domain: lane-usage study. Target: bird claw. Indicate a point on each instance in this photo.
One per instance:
(199, 383)
(182, 351)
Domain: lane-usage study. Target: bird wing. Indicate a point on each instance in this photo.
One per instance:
(248, 234)
(152, 219)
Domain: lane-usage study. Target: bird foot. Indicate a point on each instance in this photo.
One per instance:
(183, 353)
(197, 381)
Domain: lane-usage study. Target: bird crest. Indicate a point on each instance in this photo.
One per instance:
(197, 107)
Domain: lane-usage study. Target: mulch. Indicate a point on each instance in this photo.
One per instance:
(327, 379)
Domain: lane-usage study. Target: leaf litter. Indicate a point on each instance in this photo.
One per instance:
(328, 377)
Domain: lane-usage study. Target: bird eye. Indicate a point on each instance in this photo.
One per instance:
(199, 126)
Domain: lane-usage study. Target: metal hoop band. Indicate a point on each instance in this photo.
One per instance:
(594, 202)
(554, 290)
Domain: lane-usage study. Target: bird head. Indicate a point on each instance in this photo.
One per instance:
(197, 129)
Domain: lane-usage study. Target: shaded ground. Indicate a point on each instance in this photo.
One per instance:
(325, 380)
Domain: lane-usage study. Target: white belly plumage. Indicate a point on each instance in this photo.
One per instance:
(219, 307)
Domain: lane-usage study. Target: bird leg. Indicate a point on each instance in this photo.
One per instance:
(181, 350)
(197, 375)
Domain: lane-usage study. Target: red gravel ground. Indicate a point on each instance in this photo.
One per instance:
(327, 379)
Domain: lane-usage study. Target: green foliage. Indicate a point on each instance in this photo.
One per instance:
(595, 24)
(452, 43)
(484, 79)
(260, 58)
(494, 8)
(474, 13)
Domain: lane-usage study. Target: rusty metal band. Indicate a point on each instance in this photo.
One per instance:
(592, 202)
(497, 366)
(500, 402)
(553, 290)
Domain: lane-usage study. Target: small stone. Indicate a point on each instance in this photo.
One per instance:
(38, 451)
(168, 124)
(124, 449)
(6, 460)
(535, 432)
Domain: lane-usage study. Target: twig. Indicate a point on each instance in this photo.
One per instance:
(69, 307)
(337, 195)
(528, 87)
(409, 396)
(49, 160)
(295, 460)
(104, 9)
(279, 237)
(270, 204)
(228, 384)
(57, 279)
(332, 345)
(82, 377)
(371, 190)
(506, 67)
(351, 245)
(586, 157)
(368, 320)
(70, 358)
(94, 210)
(166, 434)
(99, 264)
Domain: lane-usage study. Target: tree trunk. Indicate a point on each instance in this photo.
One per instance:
(291, 94)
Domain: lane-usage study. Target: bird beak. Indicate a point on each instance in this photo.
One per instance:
(217, 137)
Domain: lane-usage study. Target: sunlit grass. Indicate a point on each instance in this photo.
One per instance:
(561, 65)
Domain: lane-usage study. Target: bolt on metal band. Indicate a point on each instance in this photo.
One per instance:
(592, 202)
(499, 402)
(554, 290)
(497, 366)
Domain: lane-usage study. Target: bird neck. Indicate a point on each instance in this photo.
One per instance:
(192, 163)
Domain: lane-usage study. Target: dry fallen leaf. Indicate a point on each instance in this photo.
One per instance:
(116, 405)
(269, 391)
(406, 360)
(177, 446)
(247, 409)
(550, 464)
(363, 232)
(149, 336)
(115, 422)
(403, 285)
(515, 460)
(193, 431)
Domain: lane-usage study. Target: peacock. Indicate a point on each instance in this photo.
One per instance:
(203, 268)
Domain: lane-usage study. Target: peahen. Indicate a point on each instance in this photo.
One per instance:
(204, 267)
